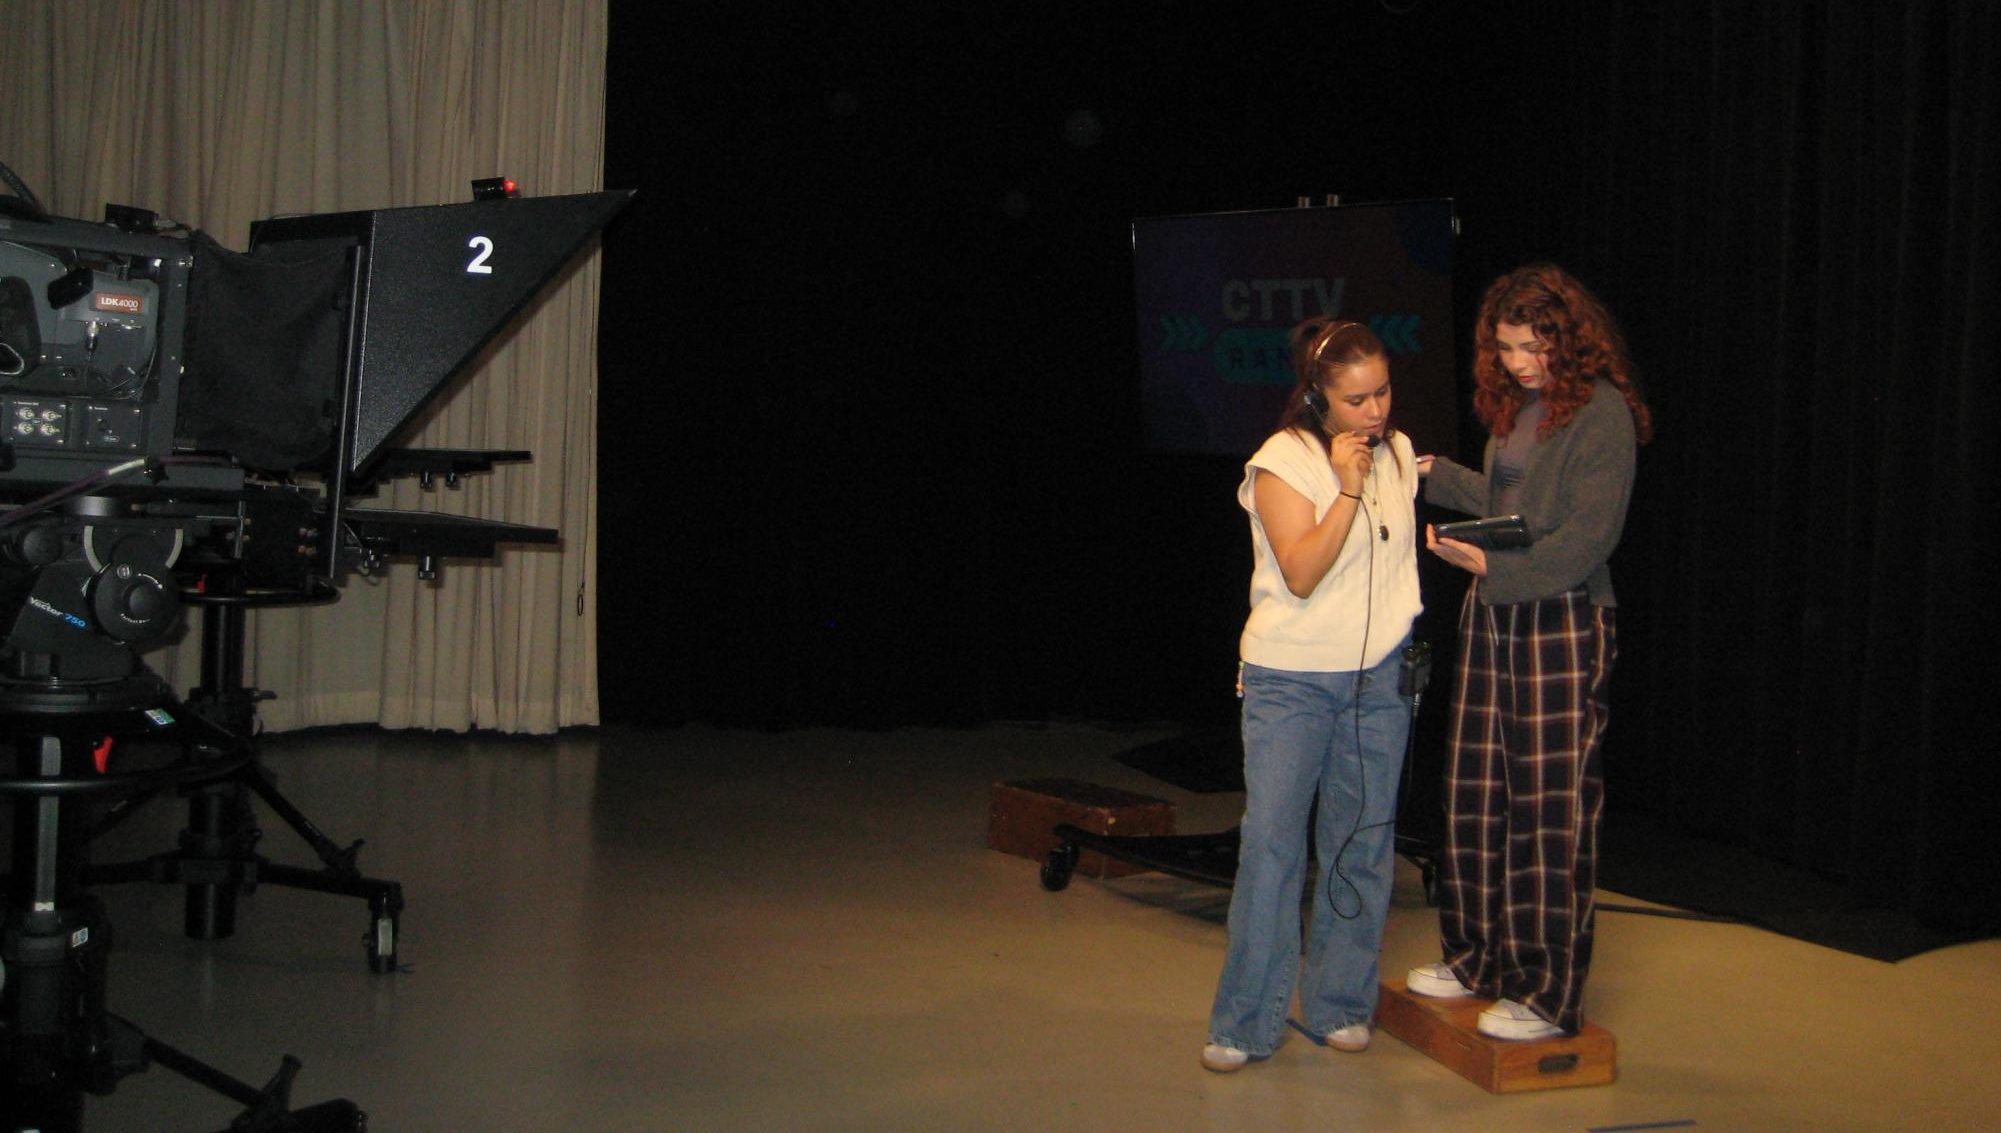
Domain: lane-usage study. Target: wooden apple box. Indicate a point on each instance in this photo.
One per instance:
(1447, 1031)
(1023, 815)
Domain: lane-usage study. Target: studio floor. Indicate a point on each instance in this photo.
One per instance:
(699, 929)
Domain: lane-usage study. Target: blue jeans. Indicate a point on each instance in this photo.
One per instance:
(1308, 734)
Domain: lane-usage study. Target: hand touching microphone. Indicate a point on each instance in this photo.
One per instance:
(1351, 457)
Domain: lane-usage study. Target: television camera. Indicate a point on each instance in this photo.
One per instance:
(182, 424)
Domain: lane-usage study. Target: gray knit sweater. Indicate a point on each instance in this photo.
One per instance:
(1574, 494)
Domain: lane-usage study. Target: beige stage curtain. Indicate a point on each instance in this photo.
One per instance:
(220, 112)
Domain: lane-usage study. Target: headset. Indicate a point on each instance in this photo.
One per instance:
(1315, 400)
(1313, 397)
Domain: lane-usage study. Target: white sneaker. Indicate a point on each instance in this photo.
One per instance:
(1507, 1019)
(1351, 1039)
(1436, 980)
(1223, 1059)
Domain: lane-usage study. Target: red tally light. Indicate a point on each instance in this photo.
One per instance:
(494, 188)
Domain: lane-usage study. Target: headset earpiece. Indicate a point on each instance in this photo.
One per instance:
(1316, 403)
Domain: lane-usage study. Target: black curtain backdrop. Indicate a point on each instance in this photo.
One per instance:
(870, 420)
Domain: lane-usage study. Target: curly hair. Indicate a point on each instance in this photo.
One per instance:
(1582, 344)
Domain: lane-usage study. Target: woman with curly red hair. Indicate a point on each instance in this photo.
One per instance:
(1524, 788)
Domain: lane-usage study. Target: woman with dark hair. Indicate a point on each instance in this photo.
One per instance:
(1333, 596)
(1524, 789)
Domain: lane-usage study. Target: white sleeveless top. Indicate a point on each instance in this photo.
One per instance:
(1364, 606)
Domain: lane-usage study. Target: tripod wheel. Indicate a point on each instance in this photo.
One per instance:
(1056, 870)
(382, 931)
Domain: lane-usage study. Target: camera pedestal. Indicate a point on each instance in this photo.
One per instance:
(1447, 1031)
(57, 1040)
(216, 858)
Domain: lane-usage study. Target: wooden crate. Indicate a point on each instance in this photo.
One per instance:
(1447, 1031)
(1023, 815)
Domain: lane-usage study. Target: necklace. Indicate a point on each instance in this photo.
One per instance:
(1373, 502)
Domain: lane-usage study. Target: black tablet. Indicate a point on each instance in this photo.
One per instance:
(1497, 533)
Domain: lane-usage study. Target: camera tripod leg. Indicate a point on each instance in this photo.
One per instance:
(342, 876)
(268, 1110)
(338, 860)
(216, 859)
(385, 903)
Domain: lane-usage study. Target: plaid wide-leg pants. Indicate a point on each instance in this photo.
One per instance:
(1524, 794)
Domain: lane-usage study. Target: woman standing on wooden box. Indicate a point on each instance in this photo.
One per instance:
(1524, 786)
(1333, 595)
